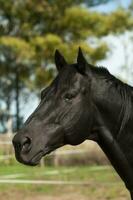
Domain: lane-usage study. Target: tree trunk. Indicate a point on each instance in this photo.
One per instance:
(17, 100)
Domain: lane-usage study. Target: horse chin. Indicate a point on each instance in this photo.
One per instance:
(36, 159)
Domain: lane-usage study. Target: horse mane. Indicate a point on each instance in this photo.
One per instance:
(125, 92)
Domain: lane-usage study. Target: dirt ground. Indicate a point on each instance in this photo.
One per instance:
(68, 196)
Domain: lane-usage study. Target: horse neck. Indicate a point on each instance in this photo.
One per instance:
(115, 141)
(107, 105)
(115, 154)
(118, 119)
(118, 149)
(113, 99)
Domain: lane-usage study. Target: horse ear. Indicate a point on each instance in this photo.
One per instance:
(82, 63)
(59, 60)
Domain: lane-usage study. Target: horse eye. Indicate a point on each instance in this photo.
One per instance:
(68, 97)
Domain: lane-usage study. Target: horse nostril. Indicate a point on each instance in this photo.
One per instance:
(22, 144)
(26, 145)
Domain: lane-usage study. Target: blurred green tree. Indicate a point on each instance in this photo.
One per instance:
(31, 31)
(15, 69)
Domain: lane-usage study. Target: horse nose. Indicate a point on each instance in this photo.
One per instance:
(22, 144)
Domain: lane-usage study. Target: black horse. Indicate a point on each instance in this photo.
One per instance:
(83, 102)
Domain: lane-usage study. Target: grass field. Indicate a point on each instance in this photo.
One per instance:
(102, 183)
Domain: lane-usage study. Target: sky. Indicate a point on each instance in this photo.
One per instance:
(119, 59)
(112, 5)
(114, 61)
(116, 58)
